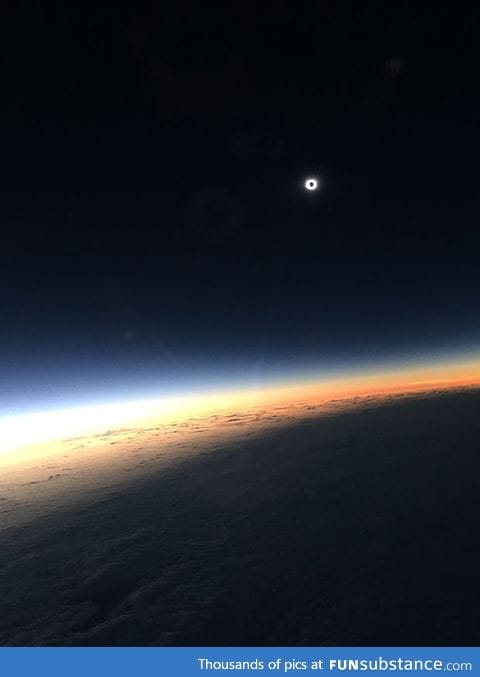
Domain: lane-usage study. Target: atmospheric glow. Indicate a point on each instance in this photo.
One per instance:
(30, 429)
(311, 184)
(21, 431)
(24, 429)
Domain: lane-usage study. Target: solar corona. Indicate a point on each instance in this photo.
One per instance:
(311, 184)
(239, 333)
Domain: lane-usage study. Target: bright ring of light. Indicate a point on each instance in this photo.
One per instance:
(311, 184)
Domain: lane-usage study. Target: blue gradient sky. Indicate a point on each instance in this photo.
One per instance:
(158, 239)
(73, 381)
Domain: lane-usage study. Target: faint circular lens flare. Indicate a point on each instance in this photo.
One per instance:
(311, 184)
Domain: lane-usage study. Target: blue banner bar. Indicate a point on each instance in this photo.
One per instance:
(199, 661)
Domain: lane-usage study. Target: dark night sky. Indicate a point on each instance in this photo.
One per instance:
(154, 227)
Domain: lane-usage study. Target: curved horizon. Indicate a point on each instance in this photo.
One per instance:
(26, 429)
